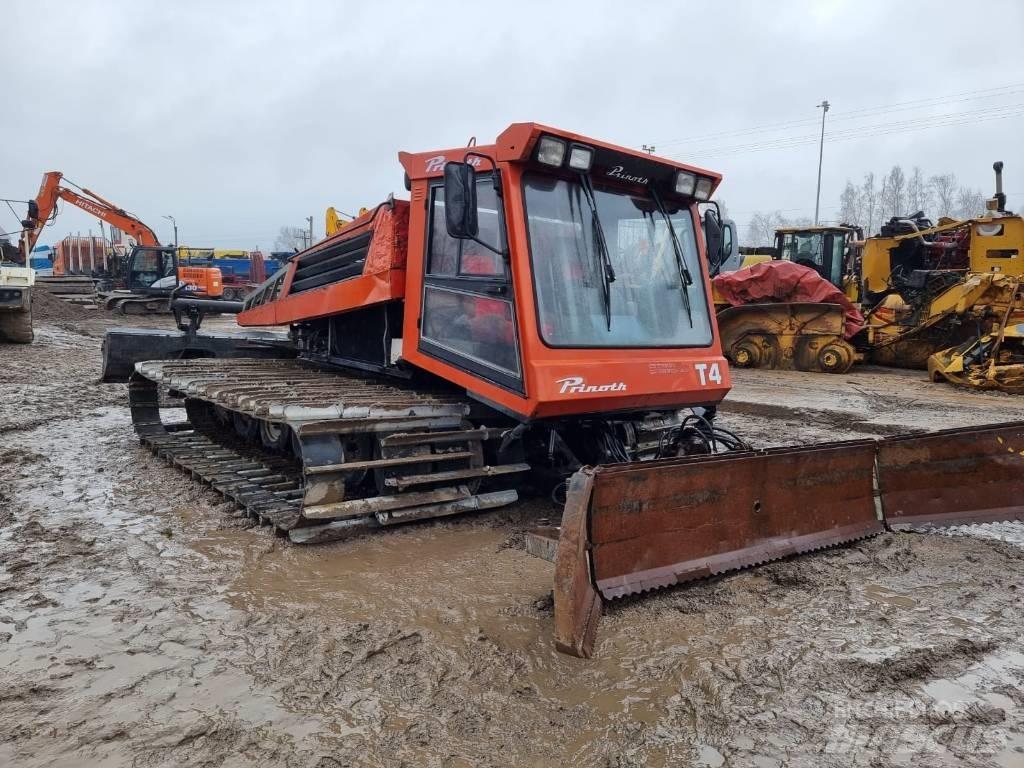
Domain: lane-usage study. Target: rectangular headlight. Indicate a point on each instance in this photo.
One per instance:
(703, 190)
(580, 157)
(685, 182)
(550, 151)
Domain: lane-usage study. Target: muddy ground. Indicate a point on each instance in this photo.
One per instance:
(143, 624)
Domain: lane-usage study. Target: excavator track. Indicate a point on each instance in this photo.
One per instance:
(318, 454)
(135, 305)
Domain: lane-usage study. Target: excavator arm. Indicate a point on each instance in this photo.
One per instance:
(44, 208)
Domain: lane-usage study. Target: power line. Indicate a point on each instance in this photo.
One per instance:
(860, 134)
(972, 95)
(880, 129)
(860, 130)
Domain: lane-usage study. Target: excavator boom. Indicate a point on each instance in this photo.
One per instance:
(146, 267)
(44, 208)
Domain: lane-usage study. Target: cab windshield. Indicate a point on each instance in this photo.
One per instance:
(648, 304)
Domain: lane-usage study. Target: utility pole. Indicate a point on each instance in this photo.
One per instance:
(175, 223)
(649, 150)
(103, 246)
(310, 220)
(821, 153)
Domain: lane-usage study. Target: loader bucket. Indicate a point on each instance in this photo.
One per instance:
(633, 527)
(953, 477)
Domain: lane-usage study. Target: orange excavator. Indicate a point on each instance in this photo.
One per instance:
(149, 274)
(537, 316)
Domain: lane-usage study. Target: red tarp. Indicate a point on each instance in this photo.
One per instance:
(783, 282)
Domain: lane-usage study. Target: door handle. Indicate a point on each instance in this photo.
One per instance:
(496, 290)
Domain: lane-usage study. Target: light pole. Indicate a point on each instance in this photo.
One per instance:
(821, 152)
(175, 223)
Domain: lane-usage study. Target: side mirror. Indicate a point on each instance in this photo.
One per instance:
(460, 211)
(713, 239)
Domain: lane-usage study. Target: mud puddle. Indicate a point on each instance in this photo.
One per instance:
(143, 624)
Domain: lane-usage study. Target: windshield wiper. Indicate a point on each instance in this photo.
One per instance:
(685, 278)
(604, 260)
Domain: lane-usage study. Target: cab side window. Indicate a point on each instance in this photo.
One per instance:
(468, 317)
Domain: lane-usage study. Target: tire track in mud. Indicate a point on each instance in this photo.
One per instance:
(147, 629)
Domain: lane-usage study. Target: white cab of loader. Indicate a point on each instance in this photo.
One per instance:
(16, 303)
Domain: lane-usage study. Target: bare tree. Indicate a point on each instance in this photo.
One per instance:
(849, 204)
(799, 221)
(761, 229)
(969, 202)
(884, 199)
(894, 190)
(291, 239)
(944, 189)
(919, 192)
(868, 203)
(939, 195)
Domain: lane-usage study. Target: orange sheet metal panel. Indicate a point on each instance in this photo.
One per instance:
(349, 294)
(383, 277)
(665, 522)
(952, 477)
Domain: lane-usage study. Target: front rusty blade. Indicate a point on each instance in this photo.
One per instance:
(577, 604)
(953, 477)
(666, 522)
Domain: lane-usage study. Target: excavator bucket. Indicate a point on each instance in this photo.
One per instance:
(631, 528)
(635, 527)
(953, 477)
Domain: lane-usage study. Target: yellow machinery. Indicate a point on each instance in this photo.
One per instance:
(944, 297)
(333, 223)
(789, 318)
(993, 356)
(971, 291)
(992, 361)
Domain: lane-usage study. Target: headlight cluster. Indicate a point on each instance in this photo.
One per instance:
(552, 151)
(692, 185)
(557, 153)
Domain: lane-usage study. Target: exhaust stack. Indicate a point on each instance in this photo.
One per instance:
(1000, 195)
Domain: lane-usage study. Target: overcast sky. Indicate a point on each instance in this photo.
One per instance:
(238, 118)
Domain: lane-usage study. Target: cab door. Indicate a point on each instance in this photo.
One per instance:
(147, 265)
(468, 313)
